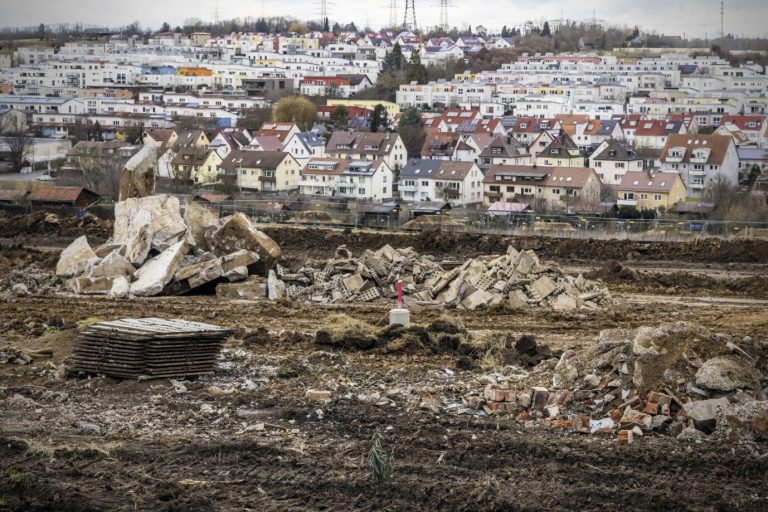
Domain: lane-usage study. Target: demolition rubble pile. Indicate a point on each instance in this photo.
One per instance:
(153, 251)
(675, 380)
(517, 278)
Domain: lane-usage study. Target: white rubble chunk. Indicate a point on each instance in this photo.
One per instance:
(155, 275)
(76, 259)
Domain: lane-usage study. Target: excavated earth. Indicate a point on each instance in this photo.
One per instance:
(246, 438)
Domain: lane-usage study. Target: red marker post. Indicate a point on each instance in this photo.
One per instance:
(400, 315)
(400, 294)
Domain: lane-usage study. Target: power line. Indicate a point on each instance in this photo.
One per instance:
(410, 9)
(444, 15)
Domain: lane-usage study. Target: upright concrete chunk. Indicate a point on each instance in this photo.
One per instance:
(200, 220)
(237, 233)
(155, 275)
(138, 177)
(544, 286)
(76, 258)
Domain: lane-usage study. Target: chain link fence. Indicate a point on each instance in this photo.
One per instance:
(387, 217)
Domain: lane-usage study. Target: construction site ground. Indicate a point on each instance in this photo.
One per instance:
(246, 438)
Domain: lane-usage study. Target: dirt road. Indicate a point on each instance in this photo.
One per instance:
(259, 445)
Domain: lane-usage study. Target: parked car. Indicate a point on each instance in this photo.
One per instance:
(44, 177)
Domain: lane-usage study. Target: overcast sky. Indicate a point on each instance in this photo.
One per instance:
(692, 17)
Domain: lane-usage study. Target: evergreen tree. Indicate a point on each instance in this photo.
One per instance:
(416, 71)
(339, 120)
(379, 118)
(326, 26)
(546, 32)
(165, 27)
(411, 131)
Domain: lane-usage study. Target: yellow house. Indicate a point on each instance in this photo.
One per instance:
(647, 191)
(200, 165)
(392, 108)
(263, 170)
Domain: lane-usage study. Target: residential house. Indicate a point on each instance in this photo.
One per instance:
(262, 171)
(561, 152)
(513, 183)
(387, 147)
(654, 134)
(569, 188)
(739, 138)
(265, 143)
(649, 191)
(612, 159)
(416, 183)
(446, 146)
(227, 141)
(754, 127)
(320, 176)
(549, 188)
(540, 143)
(366, 180)
(504, 150)
(701, 160)
(282, 131)
(160, 137)
(471, 145)
(592, 133)
(200, 165)
(370, 180)
(305, 145)
(191, 139)
(750, 157)
(458, 183)
(527, 129)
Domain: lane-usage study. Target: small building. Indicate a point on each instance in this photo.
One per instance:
(263, 171)
(648, 191)
(49, 195)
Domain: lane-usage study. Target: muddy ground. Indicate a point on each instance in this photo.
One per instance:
(245, 438)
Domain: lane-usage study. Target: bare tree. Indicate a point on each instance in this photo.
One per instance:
(19, 148)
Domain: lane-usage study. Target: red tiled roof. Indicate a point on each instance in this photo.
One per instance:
(55, 194)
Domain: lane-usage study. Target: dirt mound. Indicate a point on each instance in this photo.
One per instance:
(614, 272)
(431, 223)
(322, 242)
(46, 225)
(314, 217)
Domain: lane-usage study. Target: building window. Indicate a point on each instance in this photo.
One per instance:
(657, 197)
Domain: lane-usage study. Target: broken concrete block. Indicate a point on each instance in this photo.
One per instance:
(138, 176)
(200, 220)
(104, 250)
(632, 418)
(704, 412)
(236, 233)
(197, 275)
(565, 303)
(113, 265)
(386, 252)
(238, 259)
(317, 395)
(155, 275)
(92, 285)
(476, 299)
(353, 283)
(727, 373)
(121, 287)
(237, 275)
(544, 286)
(249, 291)
(76, 259)
(539, 399)
(517, 299)
(275, 287)
(155, 219)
